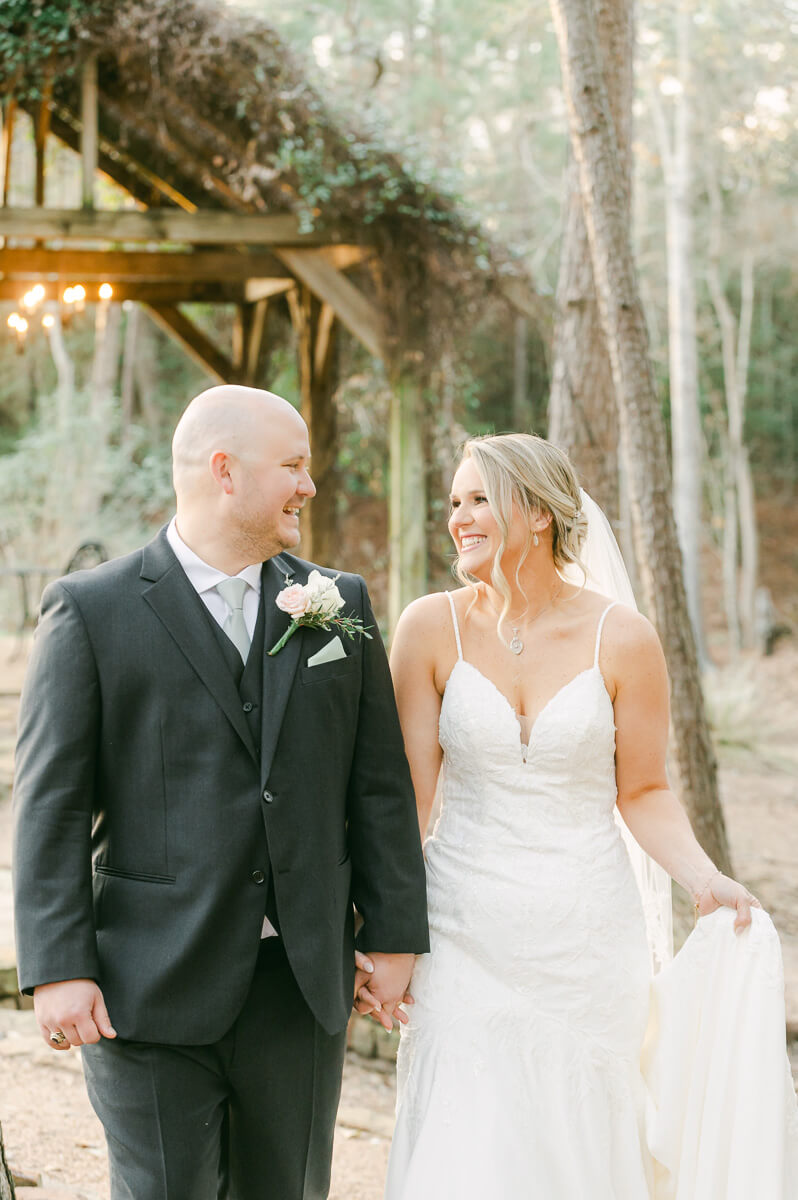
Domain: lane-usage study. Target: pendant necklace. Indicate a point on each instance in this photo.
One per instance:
(516, 641)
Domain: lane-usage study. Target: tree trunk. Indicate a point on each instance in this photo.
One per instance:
(522, 409)
(642, 428)
(65, 369)
(128, 387)
(582, 409)
(6, 1182)
(686, 434)
(107, 327)
(740, 507)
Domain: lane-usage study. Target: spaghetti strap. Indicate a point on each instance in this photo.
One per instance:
(456, 626)
(598, 632)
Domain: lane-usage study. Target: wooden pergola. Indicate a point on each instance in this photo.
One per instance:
(195, 234)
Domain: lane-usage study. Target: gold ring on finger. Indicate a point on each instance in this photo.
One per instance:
(58, 1038)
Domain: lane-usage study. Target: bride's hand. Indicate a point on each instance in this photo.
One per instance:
(721, 891)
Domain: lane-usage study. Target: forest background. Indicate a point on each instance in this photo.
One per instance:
(470, 96)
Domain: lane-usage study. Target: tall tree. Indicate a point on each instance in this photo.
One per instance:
(582, 410)
(594, 143)
(676, 152)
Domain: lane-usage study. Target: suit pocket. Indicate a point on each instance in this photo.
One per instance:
(331, 670)
(138, 876)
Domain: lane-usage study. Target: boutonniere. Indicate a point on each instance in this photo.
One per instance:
(316, 604)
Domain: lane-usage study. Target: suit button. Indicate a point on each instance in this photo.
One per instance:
(268, 797)
(248, 706)
(258, 877)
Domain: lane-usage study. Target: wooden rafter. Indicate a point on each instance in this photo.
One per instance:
(120, 166)
(354, 310)
(89, 137)
(9, 115)
(169, 225)
(196, 344)
(157, 292)
(139, 264)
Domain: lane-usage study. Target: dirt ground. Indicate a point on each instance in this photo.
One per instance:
(49, 1128)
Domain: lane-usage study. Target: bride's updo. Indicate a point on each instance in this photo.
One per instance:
(535, 476)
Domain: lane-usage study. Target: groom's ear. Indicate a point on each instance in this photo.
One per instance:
(219, 466)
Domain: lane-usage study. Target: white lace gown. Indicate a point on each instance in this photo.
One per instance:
(519, 1072)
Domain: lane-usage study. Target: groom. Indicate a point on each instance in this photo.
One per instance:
(194, 820)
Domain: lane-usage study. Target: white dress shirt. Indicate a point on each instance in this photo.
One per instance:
(204, 578)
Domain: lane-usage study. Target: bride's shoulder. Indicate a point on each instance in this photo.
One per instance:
(627, 634)
(427, 615)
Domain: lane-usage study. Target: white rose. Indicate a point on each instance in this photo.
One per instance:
(323, 596)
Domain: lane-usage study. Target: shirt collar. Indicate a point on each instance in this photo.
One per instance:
(202, 576)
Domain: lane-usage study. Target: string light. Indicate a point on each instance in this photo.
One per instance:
(48, 320)
(106, 291)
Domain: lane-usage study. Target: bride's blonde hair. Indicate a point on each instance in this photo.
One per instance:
(526, 471)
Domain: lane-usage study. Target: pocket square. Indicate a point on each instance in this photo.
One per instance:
(329, 653)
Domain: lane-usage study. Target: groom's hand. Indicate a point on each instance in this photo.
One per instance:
(74, 1007)
(387, 988)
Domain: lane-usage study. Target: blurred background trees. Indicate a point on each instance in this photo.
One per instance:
(470, 95)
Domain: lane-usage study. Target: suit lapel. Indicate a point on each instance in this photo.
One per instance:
(279, 670)
(178, 607)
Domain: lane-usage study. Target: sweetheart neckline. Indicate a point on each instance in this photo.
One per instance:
(525, 746)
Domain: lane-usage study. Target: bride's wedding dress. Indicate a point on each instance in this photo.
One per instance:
(521, 1072)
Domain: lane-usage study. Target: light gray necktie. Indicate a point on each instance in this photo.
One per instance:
(232, 592)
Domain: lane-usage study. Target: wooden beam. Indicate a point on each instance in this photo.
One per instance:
(352, 308)
(41, 129)
(164, 292)
(195, 343)
(9, 115)
(324, 328)
(89, 139)
(138, 264)
(167, 225)
(407, 503)
(117, 164)
(253, 349)
(262, 289)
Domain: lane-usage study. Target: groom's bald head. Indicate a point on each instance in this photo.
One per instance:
(236, 420)
(240, 461)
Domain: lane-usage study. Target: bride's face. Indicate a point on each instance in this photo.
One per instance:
(473, 527)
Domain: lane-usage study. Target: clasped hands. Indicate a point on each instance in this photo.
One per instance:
(381, 982)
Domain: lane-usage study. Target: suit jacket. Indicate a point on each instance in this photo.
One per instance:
(147, 822)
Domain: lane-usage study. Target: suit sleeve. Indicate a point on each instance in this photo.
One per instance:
(54, 789)
(388, 879)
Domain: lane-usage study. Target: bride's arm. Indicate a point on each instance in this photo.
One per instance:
(413, 660)
(632, 658)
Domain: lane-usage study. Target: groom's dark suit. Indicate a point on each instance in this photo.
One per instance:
(204, 799)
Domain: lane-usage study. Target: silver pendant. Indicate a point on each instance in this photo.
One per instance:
(516, 645)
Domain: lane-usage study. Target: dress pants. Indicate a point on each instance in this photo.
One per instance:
(250, 1117)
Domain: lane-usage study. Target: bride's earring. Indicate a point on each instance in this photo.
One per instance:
(535, 540)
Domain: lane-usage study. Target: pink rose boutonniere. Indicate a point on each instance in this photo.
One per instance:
(316, 604)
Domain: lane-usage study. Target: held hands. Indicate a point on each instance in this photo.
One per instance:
(381, 982)
(73, 1008)
(719, 891)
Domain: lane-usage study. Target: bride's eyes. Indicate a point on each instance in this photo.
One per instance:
(453, 504)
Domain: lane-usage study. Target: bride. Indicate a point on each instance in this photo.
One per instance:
(534, 705)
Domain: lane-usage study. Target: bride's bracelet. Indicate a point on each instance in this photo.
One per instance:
(699, 895)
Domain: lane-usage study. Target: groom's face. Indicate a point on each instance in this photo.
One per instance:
(276, 485)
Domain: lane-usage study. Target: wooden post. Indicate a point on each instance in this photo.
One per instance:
(89, 130)
(408, 499)
(314, 323)
(42, 128)
(9, 113)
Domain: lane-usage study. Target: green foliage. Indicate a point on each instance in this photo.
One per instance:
(38, 37)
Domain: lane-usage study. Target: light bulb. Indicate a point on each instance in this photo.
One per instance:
(106, 291)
